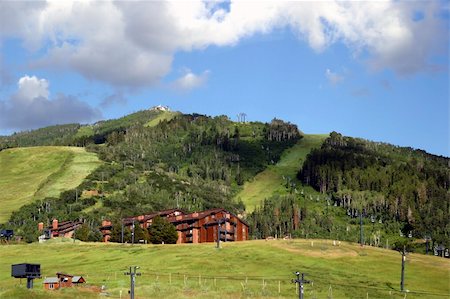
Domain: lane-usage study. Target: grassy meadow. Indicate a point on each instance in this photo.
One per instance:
(252, 269)
(270, 181)
(31, 173)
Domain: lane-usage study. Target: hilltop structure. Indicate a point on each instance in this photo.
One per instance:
(160, 108)
(197, 227)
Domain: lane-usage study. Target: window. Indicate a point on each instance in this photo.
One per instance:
(50, 286)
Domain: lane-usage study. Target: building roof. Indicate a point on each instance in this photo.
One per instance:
(51, 280)
(152, 215)
(66, 226)
(203, 214)
(78, 279)
(173, 219)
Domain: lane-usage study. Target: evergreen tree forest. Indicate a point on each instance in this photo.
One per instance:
(384, 183)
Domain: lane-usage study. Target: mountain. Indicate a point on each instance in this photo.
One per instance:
(282, 180)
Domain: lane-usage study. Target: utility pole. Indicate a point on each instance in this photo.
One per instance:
(402, 281)
(361, 236)
(300, 282)
(132, 234)
(219, 231)
(132, 274)
(122, 232)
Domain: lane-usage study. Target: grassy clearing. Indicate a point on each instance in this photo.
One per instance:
(83, 131)
(163, 115)
(239, 270)
(36, 172)
(270, 181)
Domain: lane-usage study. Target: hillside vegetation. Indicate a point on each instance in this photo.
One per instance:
(384, 183)
(34, 173)
(192, 162)
(272, 180)
(253, 269)
(283, 182)
(81, 135)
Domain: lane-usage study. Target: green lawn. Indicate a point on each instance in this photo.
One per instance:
(31, 173)
(270, 181)
(237, 270)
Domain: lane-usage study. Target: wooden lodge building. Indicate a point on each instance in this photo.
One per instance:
(62, 280)
(197, 227)
(64, 229)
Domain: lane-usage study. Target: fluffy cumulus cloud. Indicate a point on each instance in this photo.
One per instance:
(190, 81)
(31, 107)
(132, 44)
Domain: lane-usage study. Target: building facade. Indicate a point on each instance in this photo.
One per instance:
(197, 227)
(62, 280)
(64, 229)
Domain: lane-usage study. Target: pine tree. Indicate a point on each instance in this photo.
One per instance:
(162, 231)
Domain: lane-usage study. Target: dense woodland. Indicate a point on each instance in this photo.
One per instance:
(195, 162)
(384, 182)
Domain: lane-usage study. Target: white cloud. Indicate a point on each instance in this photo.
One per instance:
(30, 88)
(190, 81)
(333, 78)
(132, 44)
(31, 107)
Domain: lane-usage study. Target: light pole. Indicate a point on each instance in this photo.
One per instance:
(300, 282)
(361, 236)
(402, 281)
(132, 274)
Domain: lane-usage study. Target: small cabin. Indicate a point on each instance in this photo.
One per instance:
(62, 280)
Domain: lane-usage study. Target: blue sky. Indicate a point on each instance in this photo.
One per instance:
(376, 70)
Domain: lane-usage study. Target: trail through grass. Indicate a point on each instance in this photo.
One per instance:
(252, 269)
(31, 173)
(270, 181)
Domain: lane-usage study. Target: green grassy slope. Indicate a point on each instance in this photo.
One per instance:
(270, 181)
(36, 172)
(163, 115)
(238, 270)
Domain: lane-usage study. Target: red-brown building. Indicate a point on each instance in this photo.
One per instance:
(64, 229)
(197, 227)
(62, 280)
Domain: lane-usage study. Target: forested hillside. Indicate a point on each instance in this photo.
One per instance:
(192, 162)
(154, 160)
(81, 135)
(384, 182)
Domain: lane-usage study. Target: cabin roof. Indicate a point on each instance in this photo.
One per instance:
(51, 280)
(78, 279)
